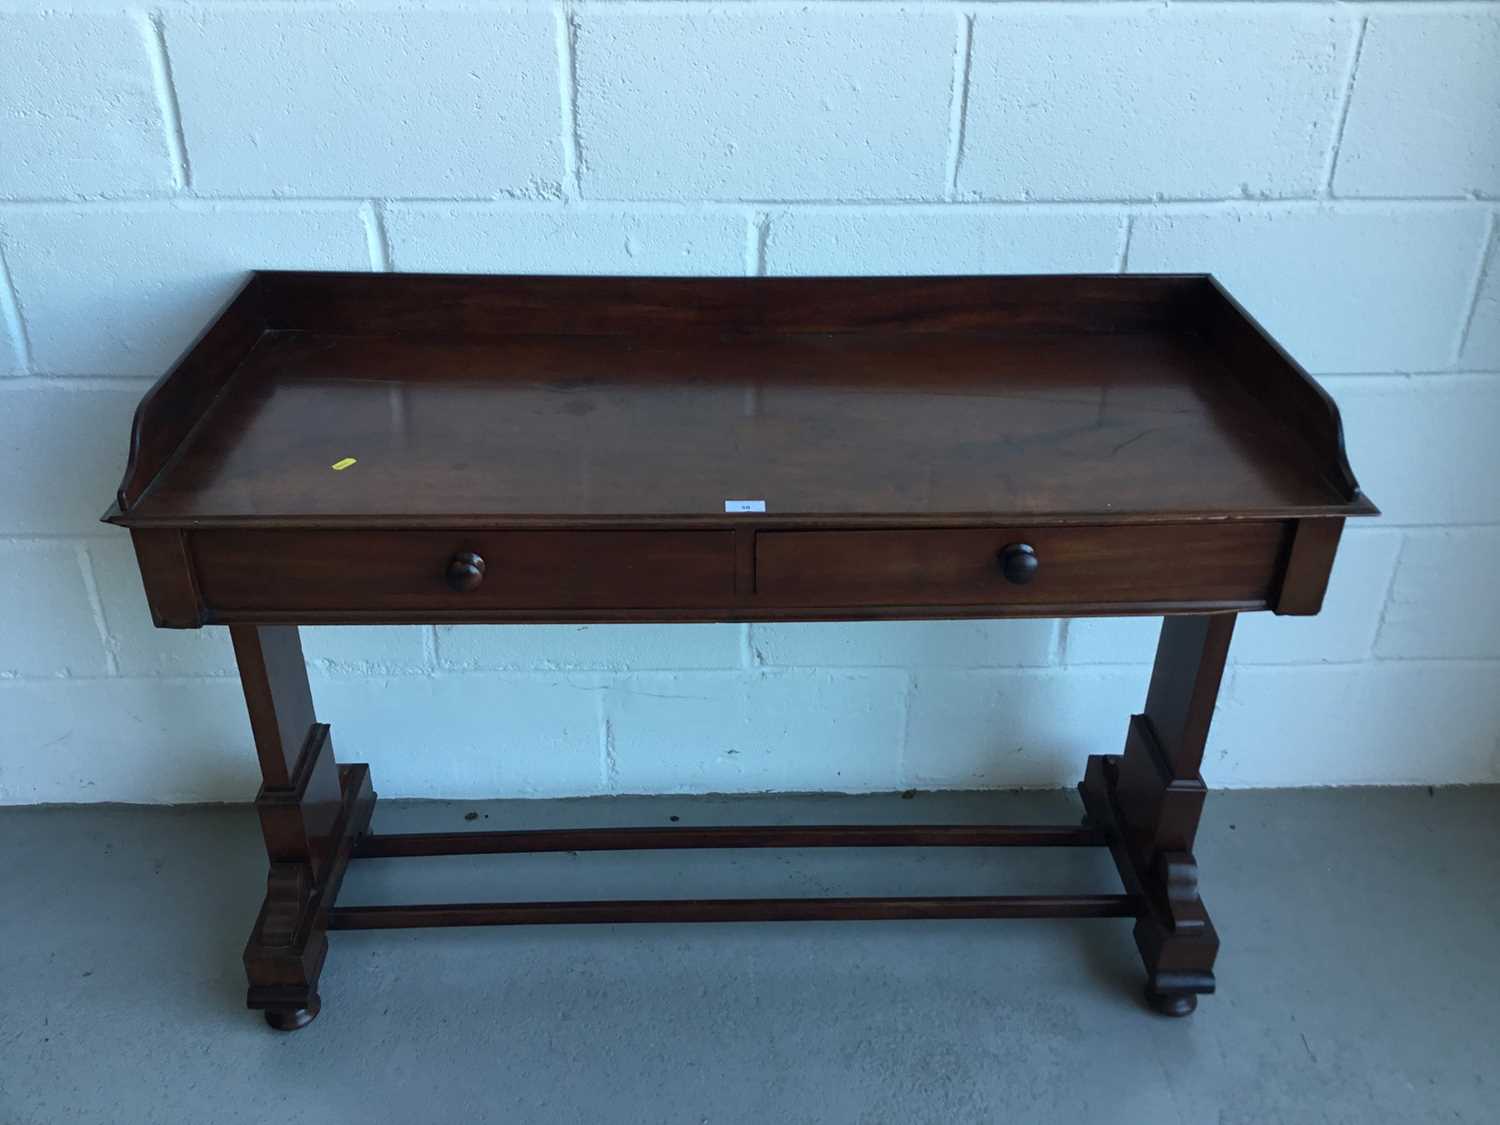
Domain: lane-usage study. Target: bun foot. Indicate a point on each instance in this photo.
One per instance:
(290, 1019)
(1175, 1004)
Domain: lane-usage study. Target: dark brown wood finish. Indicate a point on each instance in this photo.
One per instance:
(278, 697)
(462, 305)
(1208, 564)
(180, 399)
(1149, 803)
(170, 577)
(1303, 409)
(460, 574)
(731, 910)
(407, 845)
(1309, 566)
(410, 570)
(312, 815)
(826, 430)
(407, 448)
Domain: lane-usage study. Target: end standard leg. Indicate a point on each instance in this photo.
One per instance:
(312, 812)
(1149, 802)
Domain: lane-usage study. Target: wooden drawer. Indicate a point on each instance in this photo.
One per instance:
(1141, 565)
(332, 571)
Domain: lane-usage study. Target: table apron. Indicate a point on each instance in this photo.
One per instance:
(196, 577)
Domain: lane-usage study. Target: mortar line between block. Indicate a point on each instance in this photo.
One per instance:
(166, 97)
(40, 380)
(903, 746)
(756, 234)
(1126, 235)
(1385, 603)
(958, 111)
(609, 768)
(567, 90)
(96, 605)
(1489, 248)
(10, 682)
(372, 214)
(10, 313)
(209, 202)
(1337, 140)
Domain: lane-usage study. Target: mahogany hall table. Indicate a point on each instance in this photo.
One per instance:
(359, 449)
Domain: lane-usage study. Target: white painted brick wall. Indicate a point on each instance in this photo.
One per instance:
(904, 644)
(763, 102)
(121, 290)
(1373, 289)
(1338, 164)
(44, 602)
(312, 101)
(1482, 347)
(942, 239)
(11, 362)
(1034, 727)
(1281, 726)
(1425, 445)
(125, 739)
(1425, 118)
(488, 238)
(1152, 102)
(1423, 619)
(59, 445)
(79, 111)
(796, 729)
(620, 648)
(1343, 632)
(531, 734)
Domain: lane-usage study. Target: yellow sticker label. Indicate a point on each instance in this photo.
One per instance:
(340, 466)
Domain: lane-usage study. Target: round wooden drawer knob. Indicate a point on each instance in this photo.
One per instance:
(466, 571)
(1019, 564)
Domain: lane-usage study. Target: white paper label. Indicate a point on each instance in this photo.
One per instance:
(744, 505)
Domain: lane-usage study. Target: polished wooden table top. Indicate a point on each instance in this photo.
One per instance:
(851, 425)
(1126, 403)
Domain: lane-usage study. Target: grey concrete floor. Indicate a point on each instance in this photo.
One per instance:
(1358, 981)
